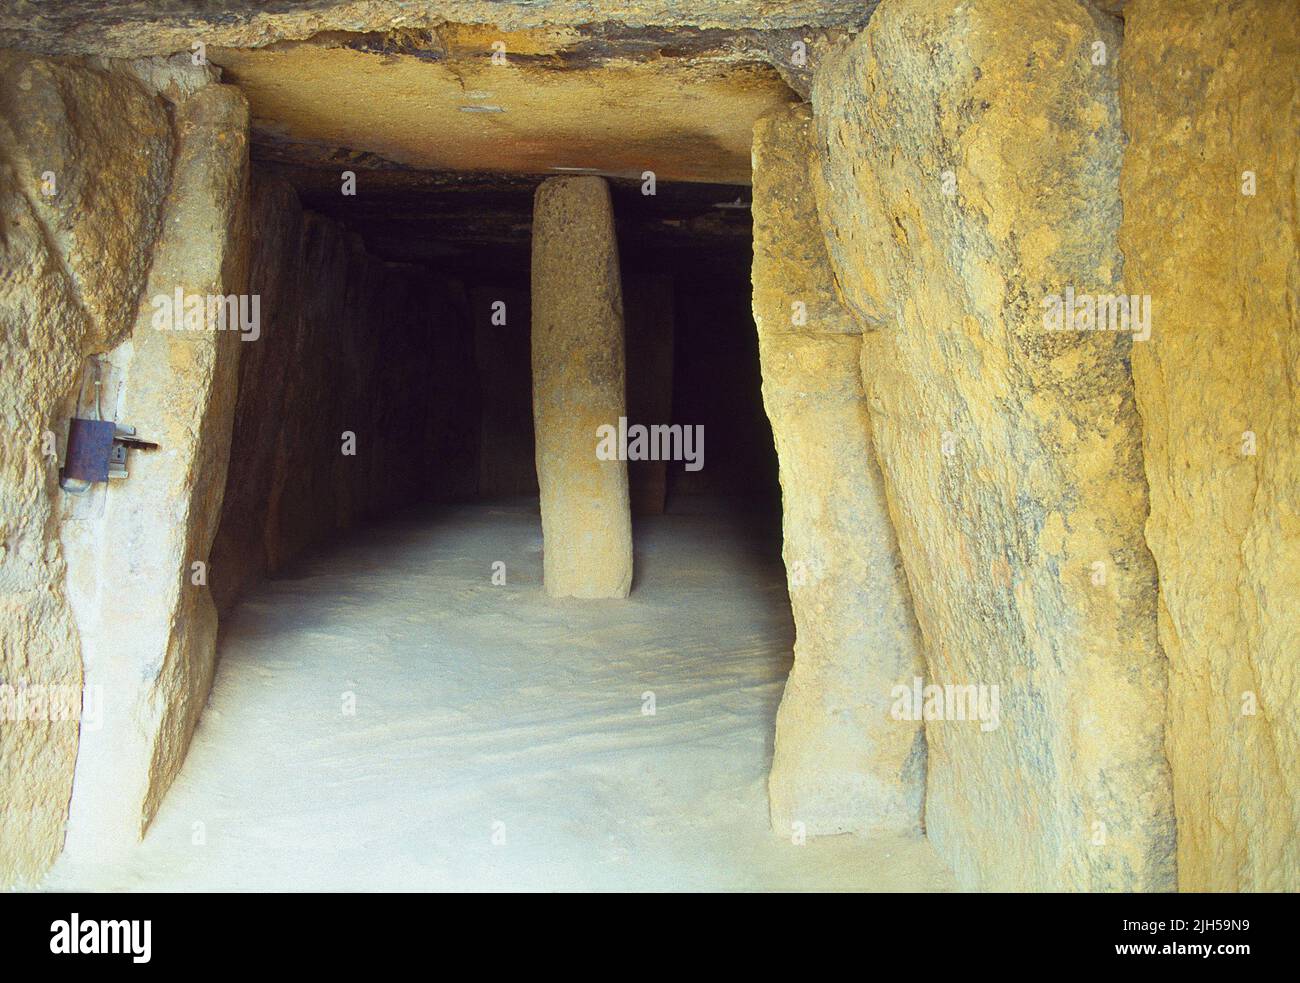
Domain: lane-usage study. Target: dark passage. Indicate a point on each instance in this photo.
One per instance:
(394, 364)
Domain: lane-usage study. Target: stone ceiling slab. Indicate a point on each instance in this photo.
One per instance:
(439, 102)
(137, 28)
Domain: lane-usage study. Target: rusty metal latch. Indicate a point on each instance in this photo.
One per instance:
(97, 452)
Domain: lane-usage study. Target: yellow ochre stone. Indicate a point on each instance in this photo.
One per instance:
(842, 762)
(148, 625)
(1211, 178)
(79, 207)
(961, 187)
(578, 387)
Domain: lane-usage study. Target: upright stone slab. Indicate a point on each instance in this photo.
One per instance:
(971, 171)
(305, 479)
(843, 761)
(266, 371)
(1211, 101)
(149, 631)
(578, 387)
(83, 173)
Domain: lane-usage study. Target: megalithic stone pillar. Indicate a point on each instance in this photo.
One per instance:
(1215, 387)
(844, 761)
(149, 630)
(968, 183)
(578, 387)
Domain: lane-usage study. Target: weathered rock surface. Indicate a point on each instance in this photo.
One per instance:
(1210, 91)
(267, 370)
(461, 111)
(968, 166)
(578, 387)
(1011, 454)
(147, 621)
(842, 763)
(302, 498)
(73, 259)
(349, 345)
(130, 28)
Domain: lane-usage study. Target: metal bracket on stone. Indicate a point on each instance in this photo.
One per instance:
(97, 452)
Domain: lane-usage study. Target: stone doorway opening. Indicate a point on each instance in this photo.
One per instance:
(392, 365)
(386, 644)
(292, 251)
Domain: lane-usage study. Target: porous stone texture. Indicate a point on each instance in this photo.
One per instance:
(176, 78)
(130, 28)
(267, 371)
(147, 621)
(1210, 91)
(648, 314)
(1011, 453)
(461, 111)
(578, 387)
(842, 763)
(349, 344)
(73, 260)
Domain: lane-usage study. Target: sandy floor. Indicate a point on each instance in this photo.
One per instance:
(499, 739)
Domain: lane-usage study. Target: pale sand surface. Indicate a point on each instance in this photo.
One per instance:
(486, 712)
